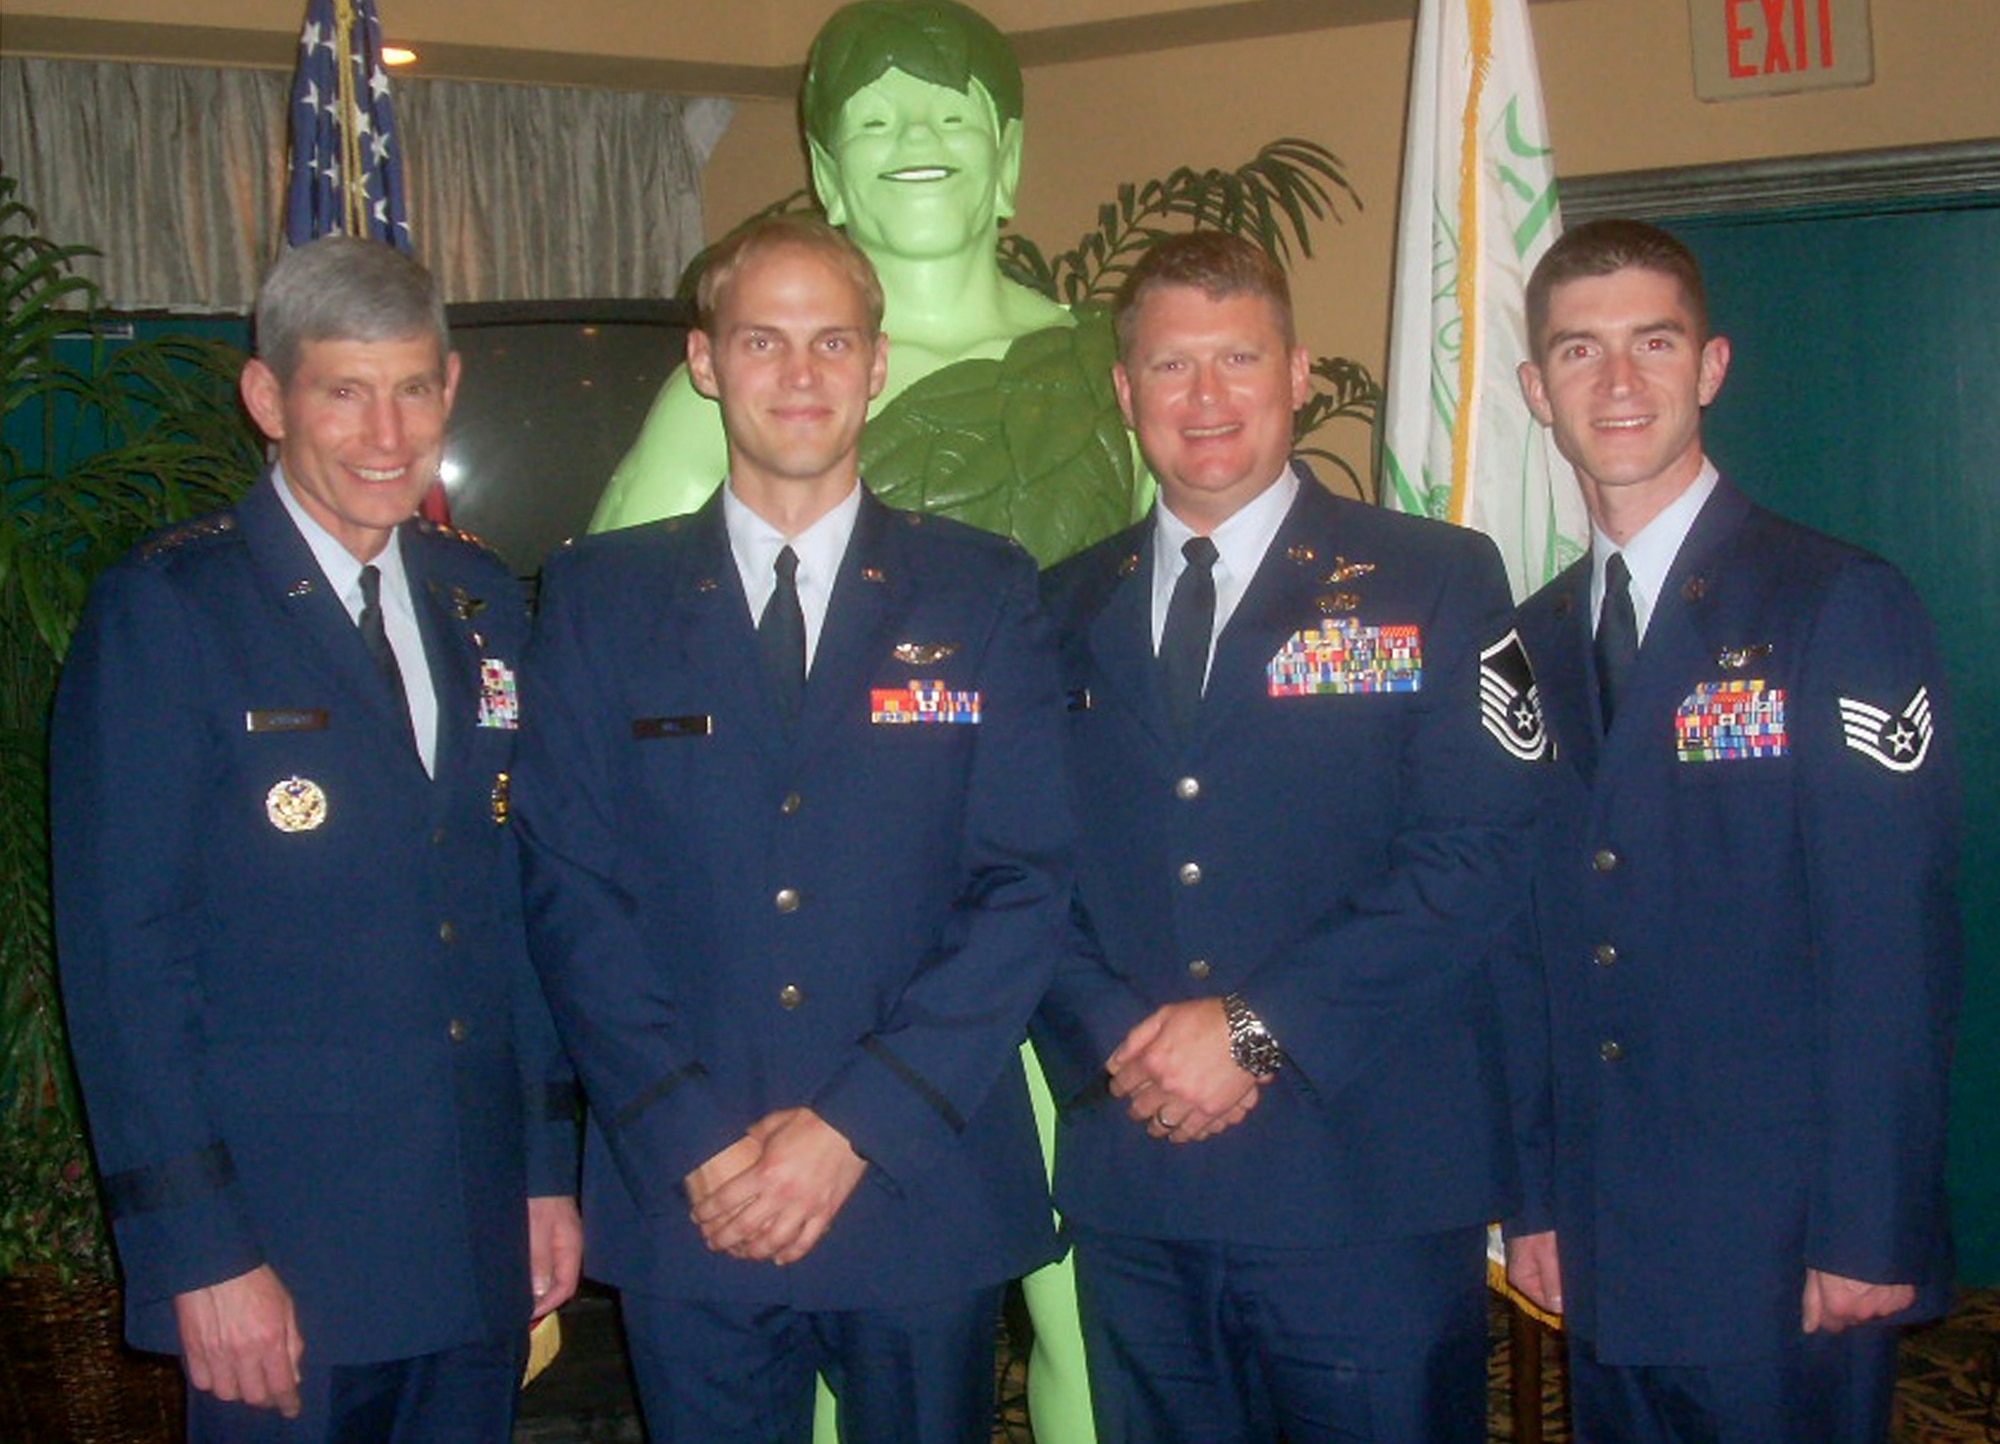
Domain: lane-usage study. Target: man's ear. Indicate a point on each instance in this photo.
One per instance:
(1007, 175)
(701, 365)
(263, 397)
(826, 183)
(1535, 392)
(1714, 366)
(1121, 382)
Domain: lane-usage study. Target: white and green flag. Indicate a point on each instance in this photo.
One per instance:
(1478, 210)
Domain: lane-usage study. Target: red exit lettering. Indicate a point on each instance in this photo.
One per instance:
(1795, 35)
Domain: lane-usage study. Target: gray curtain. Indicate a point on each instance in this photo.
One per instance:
(177, 174)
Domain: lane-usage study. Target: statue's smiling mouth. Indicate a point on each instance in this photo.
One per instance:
(917, 174)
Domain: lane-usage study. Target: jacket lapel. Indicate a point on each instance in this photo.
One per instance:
(1564, 670)
(1676, 650)
(320, 625)
(871, 593)
(707, 619)
(1282, 598)
(1121, 643)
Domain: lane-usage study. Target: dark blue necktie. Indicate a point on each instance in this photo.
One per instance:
(377, 637)
(781, 636)
(1617, 637)
(1188, 632)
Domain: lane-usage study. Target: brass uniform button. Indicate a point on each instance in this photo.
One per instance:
(1605, 954)
(447, 931)
(459, 1030)
(1611, 1050)
(1190, 874)
(1603, 860)
(787, 900)
(1187, 789)
(792, 803)
(1198, 968)
(790, 997)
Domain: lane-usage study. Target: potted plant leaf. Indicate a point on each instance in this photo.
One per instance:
(99, 447)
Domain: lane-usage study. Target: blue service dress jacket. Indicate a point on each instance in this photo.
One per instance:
(294, 967)
(1340, 840)
(854, 912)
(1746, 910)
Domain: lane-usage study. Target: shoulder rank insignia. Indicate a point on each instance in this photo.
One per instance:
(201, 527)
(465, 605)
(1347, 571)
(297, 804)
(1510, 705)
(923, 654)
(1900, 741)
(1128, 564)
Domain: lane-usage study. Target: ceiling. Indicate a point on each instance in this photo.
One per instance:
(745, 48)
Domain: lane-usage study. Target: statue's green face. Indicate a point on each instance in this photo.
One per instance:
(919, 171)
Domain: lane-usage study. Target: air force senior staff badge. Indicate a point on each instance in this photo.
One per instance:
(297, 804)
(1900, 741)
(1510, 705)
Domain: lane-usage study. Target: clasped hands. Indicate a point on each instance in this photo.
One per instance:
(1178, 1075)
(771, 1195)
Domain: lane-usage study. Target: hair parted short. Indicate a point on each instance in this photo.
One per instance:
(790, 230)
(345, 288)
(1216, 263)
(1602, 248)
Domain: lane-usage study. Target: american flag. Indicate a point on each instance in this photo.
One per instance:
(347, 170)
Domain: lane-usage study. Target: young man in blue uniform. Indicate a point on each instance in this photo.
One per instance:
(1746, 909)
(335, 1127)
(798, 869)
(1303, 747)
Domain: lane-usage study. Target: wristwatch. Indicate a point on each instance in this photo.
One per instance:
(1250, 1043)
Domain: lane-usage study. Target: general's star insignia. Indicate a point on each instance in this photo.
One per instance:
(1900, 741)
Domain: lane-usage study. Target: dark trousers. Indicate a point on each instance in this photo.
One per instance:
(464, 1395)
(1826, 1389)
(724, 1373)
(1382, 1342)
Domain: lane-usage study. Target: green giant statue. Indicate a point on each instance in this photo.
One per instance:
(998, 408)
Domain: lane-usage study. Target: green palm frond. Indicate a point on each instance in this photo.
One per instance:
(1274, 199)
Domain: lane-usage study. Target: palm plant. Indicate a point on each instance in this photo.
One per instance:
(94, 454)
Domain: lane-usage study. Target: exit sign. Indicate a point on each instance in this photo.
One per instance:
(1764, 47)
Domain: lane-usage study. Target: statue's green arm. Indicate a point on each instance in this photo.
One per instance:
(680, 457)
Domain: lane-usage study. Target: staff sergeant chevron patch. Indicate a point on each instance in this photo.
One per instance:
(1900, 741)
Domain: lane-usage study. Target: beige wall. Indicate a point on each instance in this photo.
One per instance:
(1616, 74)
